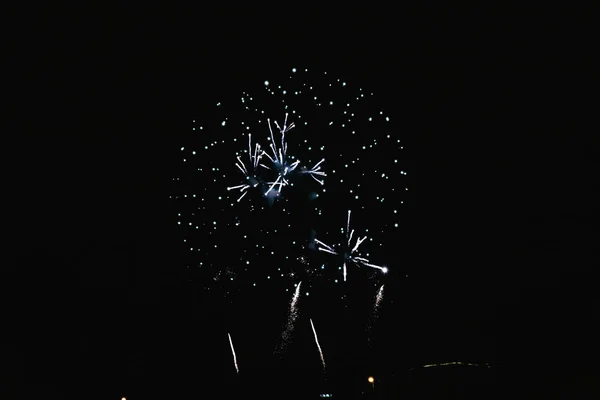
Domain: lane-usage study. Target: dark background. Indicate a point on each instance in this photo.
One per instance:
(97, 303)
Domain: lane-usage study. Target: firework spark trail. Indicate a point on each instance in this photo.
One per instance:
(281, 151)
(318, 346)
(278, 159)
(293, 314)
(293, 308)
(233, 352)
(279, 155)
(350, 256)
(248, 173)
(316, 170)
(378, 299)
(325, 248)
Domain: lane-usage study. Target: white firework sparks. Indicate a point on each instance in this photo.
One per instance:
(279, 158)
(249, 171)
(316, 170)
(293, 314)
(233, 352)
(318, 345)
(349, 253)
(323, 107)
(378, 299)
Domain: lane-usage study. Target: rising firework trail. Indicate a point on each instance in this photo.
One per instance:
(234, 357)
(378, 299)
(374, 314)
(349, 253)
(318, 346)
(293, 314)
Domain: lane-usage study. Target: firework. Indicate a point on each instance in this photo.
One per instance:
(280, 161)
(210, 221)
(315, 171)
(349, 253)
(233, 352)
(293, 314)
(318, 346)
(378, 299)
(333, 129)
(249, 171)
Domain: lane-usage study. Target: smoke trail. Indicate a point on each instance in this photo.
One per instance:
(318, 346)
(293, 314)
(233, 352)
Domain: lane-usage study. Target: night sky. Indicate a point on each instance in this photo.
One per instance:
(487, 233)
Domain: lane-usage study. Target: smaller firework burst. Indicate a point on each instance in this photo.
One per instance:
(348, 252)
